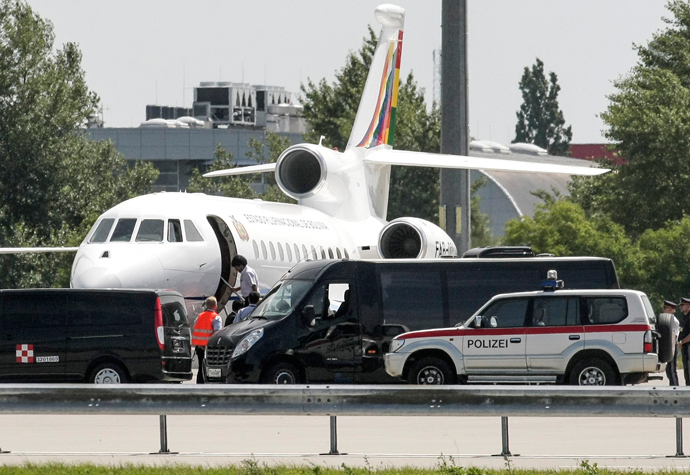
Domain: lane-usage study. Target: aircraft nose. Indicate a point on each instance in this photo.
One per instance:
(96, 277)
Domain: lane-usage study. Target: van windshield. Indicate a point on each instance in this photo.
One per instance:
(282, 299)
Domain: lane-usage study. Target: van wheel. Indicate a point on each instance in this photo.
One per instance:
(281, 373)
(593, 372)
(667, 347)
(431, 370)
(108, 373)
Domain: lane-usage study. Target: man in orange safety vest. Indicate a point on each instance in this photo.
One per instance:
(206, 323)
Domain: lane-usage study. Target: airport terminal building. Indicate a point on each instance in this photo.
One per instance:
(177, 140)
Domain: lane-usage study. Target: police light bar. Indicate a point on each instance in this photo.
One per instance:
(552, 283)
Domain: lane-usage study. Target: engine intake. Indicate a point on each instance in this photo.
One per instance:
(300, 171)
(410, 238)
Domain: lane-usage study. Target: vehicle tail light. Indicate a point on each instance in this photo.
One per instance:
(647, 348)
(158, 320)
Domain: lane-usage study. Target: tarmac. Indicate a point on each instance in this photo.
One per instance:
(373, 442)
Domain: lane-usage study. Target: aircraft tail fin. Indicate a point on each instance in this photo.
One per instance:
(375, 121)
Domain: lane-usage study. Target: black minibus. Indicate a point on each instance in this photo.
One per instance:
(332, 321)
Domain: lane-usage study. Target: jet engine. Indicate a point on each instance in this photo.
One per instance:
(302, 170)
(325, 179)
(414, 238)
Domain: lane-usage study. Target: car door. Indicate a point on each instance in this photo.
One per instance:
(555, 333)
(332, 343)
(32, 347)
(498, 346)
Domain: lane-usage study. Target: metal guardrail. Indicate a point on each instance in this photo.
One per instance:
(349, 400)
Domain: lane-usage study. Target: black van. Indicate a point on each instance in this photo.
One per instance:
(332, 321)
(94, 336)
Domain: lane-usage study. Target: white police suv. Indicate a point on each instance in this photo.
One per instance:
(578, 337)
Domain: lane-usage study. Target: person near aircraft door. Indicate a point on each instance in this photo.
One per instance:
(236, 306)
(249, 282)
(206, 323)
(243, 313)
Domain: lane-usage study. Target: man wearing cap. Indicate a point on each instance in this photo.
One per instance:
(671, 370)
(684, 338)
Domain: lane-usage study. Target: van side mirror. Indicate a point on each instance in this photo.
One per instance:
(308, 315)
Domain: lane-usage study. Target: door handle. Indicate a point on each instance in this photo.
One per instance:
(574, 337)
(515, 340)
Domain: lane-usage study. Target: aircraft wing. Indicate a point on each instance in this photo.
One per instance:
(436, 160)
(21, 250)
(265, 168)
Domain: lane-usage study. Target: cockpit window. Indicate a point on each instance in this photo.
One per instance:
(174, 230)
(150, 230)
(191, 232)
(123, 230)
(102, 230)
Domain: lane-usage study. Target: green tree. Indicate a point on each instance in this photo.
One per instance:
(55, 181)
(561, 227)
(540, 119)
(234, 186)
(655, 263)
(648, 122)
(268, 151)
(330, 110)
(239, 186)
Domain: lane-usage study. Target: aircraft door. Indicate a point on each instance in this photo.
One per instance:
(228, 250)
(333, 337)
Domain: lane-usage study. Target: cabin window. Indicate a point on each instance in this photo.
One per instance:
(273, 250)
(337, 251)
(297, 256)
(102, 231)
(313, 254)
(123, 230)
(323, 253)
(330, 253)
(150, 230)
(304, 252)
(347, 256)
(256, 249)
(174, 230)
(289, 252)
(280, 252)
(263, 250)
(191, 232)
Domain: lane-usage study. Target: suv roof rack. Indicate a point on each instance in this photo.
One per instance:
(500, 251)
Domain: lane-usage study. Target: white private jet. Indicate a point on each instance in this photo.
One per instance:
(186, 241)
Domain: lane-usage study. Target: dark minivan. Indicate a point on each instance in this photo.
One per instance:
(94, 336)
(332, 321)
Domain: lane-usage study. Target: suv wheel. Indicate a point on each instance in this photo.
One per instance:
(108, 373)
(431, 370)
(281, 373)
(593, 372)
(667, 347)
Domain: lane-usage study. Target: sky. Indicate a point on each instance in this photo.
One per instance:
(137, 52)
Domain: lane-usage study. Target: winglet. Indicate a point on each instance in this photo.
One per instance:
(375, 121)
